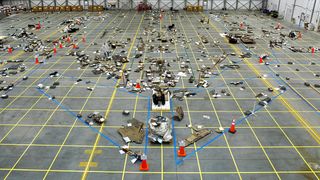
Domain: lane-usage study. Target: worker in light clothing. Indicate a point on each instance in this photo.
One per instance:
(104, 51)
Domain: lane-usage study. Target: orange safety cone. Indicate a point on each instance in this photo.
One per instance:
(37, 60)
(38, 26)
(241, 25)
(260, 60)
(138, 86)
(10, 50)
(144, 165)
(181, 150)
(232, 129)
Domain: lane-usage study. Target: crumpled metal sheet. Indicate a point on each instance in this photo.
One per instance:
(160, 129)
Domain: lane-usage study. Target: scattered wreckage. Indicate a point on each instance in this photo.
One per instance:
(160, 129)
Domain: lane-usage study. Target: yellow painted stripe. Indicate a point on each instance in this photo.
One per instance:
(89, 151)
(85, 164)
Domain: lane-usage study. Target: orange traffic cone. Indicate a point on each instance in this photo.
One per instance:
(37, 60)
(182, 151)
(38, 26)
(138, 86)
(60, 45)
(144, 165)
(260, 60)
(241, 25)
(10, 50)
(232, 129)
(55, 50)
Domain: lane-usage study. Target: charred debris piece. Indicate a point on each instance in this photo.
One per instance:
(133, 131)
(94, 117)
(179, 114)
(198, 133)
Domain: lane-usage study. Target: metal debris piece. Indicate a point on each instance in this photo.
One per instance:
(219, 130)
(133, 131)
(136, 155)
(126, 112)
(160, 129)
(179, 114)
(95, 117)
(198, 134)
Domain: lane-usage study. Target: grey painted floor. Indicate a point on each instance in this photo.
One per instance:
(39, 139)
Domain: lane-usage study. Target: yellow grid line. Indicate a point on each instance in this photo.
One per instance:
(39, 132)
(84, 175)
(268, 84)
(239, 107)
(84, 164)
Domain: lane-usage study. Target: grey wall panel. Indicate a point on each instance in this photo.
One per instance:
(35, 3)
(243, 4)
(215, 4)
(231, 4)
(61, 2)
(178, 4)
(192, 2)
(124, 4)
(165, 4)
(48, 3)
(256, 5)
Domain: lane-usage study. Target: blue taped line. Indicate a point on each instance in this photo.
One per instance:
(279, 80)
(173, 133)
(147, 128)
(18, 82)
(221, 134)
(77, 118)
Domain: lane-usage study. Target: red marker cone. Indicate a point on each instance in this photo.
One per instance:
(241, 25)
(10, 50)
(260, 60)
(37, 60)
(233, 127)
(138, 86)
(38, 26)
(144, 165)
(181, 151)
(55, 50)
